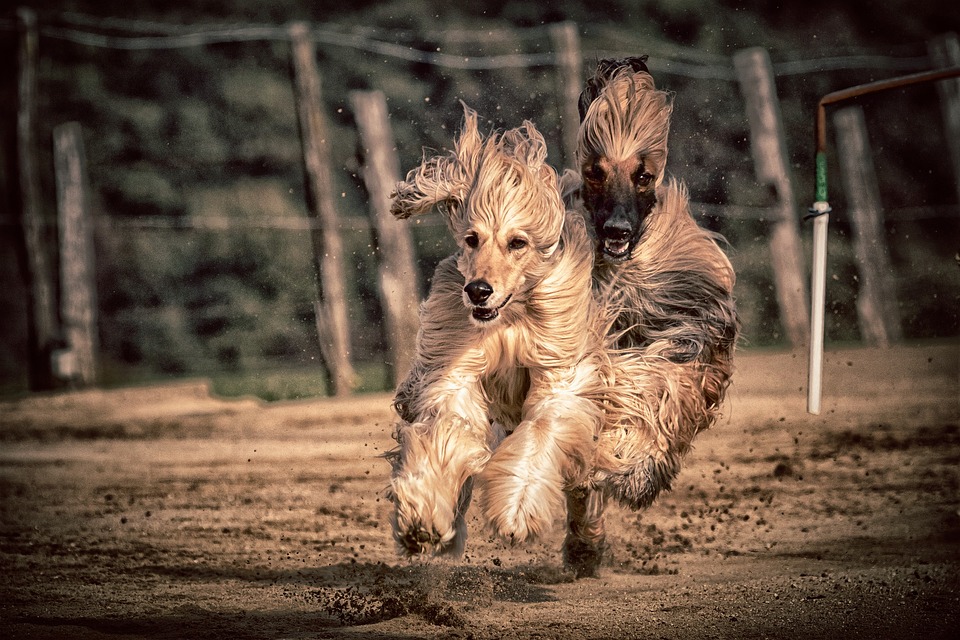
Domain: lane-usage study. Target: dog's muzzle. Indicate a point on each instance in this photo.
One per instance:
(618, 237)
(478, 292)
(488, 314)
(616, 250)
(616, 242)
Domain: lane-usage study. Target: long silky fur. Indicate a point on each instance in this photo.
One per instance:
(626, 116)
(514, 407)
(671, 329)
(671, 319)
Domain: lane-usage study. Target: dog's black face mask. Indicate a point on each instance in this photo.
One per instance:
(619, 197)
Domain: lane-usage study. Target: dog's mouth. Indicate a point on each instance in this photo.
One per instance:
(621, 227)
(489, 314)
(617, 250)
(618, 238)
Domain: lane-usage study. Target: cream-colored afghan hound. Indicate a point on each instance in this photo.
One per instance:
(503, 391)
(667, 288)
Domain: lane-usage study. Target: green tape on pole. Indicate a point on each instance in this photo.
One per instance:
(822, 176)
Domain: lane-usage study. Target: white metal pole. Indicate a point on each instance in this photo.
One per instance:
(818, 286)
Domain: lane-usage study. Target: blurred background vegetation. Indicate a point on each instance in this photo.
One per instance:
(204, 261)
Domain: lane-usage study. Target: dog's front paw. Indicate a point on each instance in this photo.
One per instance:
(422, 537)
(637, 486)
(428, 521)
(423, 529)
(518, 523)
(417, 540)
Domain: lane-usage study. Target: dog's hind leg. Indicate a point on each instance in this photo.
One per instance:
(585, 544)
(638, 484)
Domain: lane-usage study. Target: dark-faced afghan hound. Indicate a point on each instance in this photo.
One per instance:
(503, 391)
(668, 289)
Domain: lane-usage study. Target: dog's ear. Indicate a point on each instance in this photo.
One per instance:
(526, 144)
(440, 181)
(569, 183)
(469, 142)
(610, 67)
(637, 63)
(588, 95)
(596, 84)
(426, 186)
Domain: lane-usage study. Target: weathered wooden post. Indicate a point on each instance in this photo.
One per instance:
(768, 144)
(566, 46)
(877, 309)
(397, 270)
(78, 299)
(43, 325)
(945, 52)
(331, 306)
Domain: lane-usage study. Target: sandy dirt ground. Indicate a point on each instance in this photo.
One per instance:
(164, 512)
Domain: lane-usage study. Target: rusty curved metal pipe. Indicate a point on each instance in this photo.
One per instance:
(820, 213)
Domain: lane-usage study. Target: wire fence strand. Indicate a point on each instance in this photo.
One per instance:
(136, 35)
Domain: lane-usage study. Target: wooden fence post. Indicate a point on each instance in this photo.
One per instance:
(331, 306)
(566, 45)
(42, 318)
(397, 269)
(768, 144)
(877, 308)
(78, 299)
(945, 52)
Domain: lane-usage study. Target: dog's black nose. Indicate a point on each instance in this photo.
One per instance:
(478, 291)
(617, 228)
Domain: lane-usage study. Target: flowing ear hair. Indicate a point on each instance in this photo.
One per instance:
(628, 116)
(606, 70)
(527, 145)
(440, 181)
(425, 186)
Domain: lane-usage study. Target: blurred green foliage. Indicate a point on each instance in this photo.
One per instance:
(204, 266)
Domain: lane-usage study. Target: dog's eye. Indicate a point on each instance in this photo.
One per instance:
(593, 172)
(516, 244)
(471, 240)
(644, 179)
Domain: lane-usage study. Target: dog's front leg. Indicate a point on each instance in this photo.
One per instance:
(433, 471)
(550, 451)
